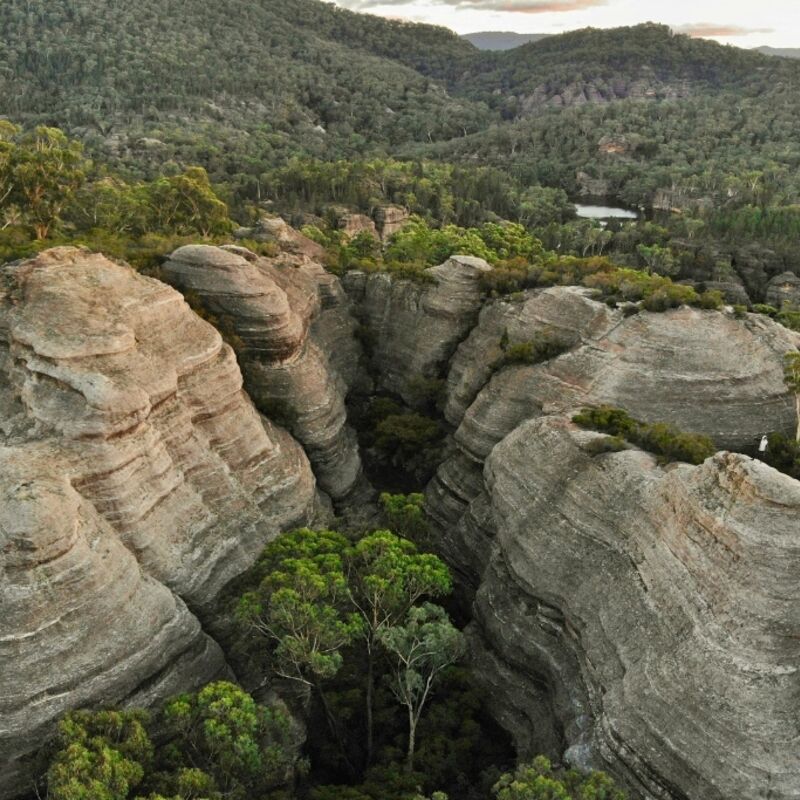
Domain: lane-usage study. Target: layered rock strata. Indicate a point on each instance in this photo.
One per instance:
(270, 308)
(136, 479)
(703, 371)
(656, 610)
(414, 327)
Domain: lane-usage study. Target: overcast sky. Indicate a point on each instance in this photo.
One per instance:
(741, 22)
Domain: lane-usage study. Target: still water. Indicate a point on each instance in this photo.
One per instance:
(604, 212)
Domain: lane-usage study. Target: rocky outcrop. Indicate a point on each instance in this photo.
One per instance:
(784, 290)
(270, 307)
(274, 230)
(390, 220)
(641, 618)
(413, 328)
(652, 615)
(703, 371)
(353, 224)
(621, 608)
(136, 480)
(582, 92)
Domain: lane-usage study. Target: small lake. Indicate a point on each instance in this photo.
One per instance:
(604, 212)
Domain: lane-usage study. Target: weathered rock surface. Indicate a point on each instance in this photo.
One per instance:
(390, 220)
(277, 231)
(413, 327)
(784, 290)
(270, 308)
(136, 479)
(703, 371)
(353, 224)
(655, 612)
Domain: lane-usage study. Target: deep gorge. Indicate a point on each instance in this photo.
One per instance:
(608, 592)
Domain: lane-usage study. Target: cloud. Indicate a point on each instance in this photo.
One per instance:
(704, 30)
(512, 6)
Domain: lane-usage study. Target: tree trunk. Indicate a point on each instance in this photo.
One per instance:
(412, 735)
(334, 730)
(370, 694)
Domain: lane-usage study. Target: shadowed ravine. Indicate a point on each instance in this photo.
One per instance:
(643, 617)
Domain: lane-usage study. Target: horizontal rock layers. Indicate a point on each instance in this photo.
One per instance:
(270, 309)
(136, 479)
(622, 609)
(413, 327)
(661, 608)
(701, 370)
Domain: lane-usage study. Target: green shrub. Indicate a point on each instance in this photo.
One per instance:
(711, 299)
(783, 453)
(763, 308)
(739, 311)
(606, 444)
(661, 438)
(789, 319)
(545, 346)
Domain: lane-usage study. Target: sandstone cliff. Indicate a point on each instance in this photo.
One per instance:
(137, 479)
(631, 606)
(270, 308)
(414, 328)
(653, 614)
(637, 617)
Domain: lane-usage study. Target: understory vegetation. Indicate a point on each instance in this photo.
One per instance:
(374, 704)
(666, 441)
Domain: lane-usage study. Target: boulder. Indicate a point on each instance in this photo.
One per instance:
(279, 232)
(784, 290)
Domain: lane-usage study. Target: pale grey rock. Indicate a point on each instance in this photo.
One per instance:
(271, 308)
(415, 327)
(784, 290)
(658, 609)
(137, 479)
(704, 371)
(277, 231)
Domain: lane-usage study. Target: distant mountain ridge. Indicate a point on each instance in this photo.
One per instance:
(781, 52)
(501, 40)
(168, 81)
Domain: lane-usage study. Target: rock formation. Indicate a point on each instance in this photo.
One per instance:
(136, 479)
(784, 290)
(639, 617)
(353, 224)
(701, 370)
(274, 230)
(390, 220)
(415, 327)
(629, 605)
(653, 615)
(270, 308)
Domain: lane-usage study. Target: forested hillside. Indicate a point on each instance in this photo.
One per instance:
(309, 107)
(225, 82)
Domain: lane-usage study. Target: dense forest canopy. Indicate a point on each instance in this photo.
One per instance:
(307, 106)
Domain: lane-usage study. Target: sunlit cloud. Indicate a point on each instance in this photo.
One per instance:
(507, 6)
(706, 30)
